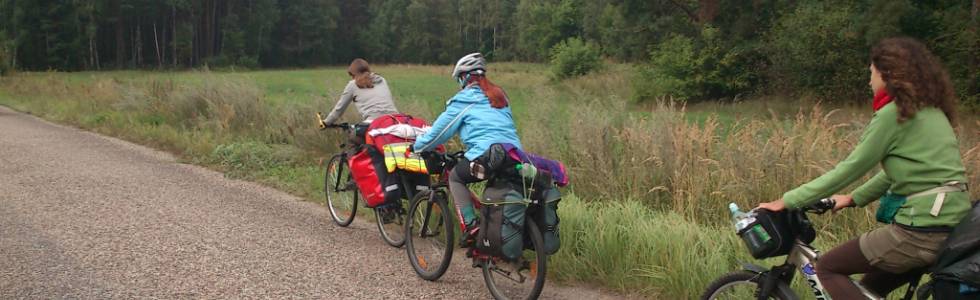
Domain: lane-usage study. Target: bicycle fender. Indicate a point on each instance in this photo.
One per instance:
(754, 268)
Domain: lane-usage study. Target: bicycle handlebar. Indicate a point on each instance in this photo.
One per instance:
(447, 159)
(324, 125)
(821, 206)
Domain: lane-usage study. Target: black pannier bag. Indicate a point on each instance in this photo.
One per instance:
(956, 273)
(391, 183)
(773, 233)
(544, 213)
(502, 224)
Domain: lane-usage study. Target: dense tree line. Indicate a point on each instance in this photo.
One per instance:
(716, 48)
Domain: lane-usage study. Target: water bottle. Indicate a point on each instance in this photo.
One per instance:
(527, 170)
(740, 218)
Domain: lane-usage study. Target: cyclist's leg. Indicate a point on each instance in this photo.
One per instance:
(837, 264)
(458, 179)
(882, 282)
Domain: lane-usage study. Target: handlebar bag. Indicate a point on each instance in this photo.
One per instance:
(770, 235)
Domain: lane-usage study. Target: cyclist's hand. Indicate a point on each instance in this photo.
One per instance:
(777, 205)
(842, 201)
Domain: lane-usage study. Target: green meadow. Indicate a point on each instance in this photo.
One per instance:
(645, 214)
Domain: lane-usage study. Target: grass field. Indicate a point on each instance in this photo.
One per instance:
(646, 211)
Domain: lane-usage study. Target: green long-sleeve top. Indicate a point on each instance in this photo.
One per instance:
(916, 155)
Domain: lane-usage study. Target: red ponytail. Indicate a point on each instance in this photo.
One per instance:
(498, 98)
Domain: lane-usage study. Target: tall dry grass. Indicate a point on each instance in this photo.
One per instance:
(635, 169)
(664, 159)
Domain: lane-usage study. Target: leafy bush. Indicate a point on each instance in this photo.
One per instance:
(696, 69)
(573, 57)
(818, 49)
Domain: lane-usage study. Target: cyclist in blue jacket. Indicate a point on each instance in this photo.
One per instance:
(480, 113)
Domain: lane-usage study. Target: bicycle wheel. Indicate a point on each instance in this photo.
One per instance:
(429, 234)
(340, 191)
(742, 285)
(391, 223)
(520, 279)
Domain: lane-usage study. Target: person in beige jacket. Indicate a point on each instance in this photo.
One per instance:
(370, 94)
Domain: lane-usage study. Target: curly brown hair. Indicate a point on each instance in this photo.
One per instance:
(914, 77)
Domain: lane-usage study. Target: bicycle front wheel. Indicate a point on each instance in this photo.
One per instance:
(743, 285)
(429, 234)
(522, 278)
(340, 191)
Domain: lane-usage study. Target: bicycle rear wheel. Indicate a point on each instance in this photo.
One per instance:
(340, 191)
(429, 234)
(523, 278)
(391, 223)
(742, 285)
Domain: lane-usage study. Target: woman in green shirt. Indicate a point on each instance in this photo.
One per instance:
(922, 185)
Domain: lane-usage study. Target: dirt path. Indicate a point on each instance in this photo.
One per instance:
(87, 216)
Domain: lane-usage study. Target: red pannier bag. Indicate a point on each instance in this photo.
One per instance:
(366, 176)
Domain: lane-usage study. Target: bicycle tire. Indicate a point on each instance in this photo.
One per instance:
(335, 179)
(730, 280)
(389, 232)
(429, 206)
(538, 268)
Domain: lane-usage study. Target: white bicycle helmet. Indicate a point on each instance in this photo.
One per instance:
(470, 62)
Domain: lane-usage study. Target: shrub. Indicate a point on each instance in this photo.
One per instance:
(573, 57)
(697, 69)
(818, 49)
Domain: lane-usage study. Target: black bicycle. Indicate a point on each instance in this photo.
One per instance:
(342, 193)
(773, 283)
(430, 241)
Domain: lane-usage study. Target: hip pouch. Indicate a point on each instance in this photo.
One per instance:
(888, 208)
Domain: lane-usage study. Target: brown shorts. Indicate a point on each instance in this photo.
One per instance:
(897, 250)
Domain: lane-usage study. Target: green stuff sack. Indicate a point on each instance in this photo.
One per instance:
(502, 223)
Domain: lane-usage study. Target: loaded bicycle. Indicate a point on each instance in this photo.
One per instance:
(774, 283)
(430, 235)
(342, 194)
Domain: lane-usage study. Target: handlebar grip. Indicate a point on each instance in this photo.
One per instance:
(826, 204)
(319, 120)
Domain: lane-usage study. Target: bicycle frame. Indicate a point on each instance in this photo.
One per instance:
(801, 258)
(443, 183)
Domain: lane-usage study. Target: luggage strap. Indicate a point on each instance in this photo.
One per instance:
(940, 192)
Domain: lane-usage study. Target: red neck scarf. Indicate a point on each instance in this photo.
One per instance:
(881, 99)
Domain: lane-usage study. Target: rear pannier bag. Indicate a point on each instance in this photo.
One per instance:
(956, 273)
(545, 216)
(393, 189)
(502, 224)
(362, 166)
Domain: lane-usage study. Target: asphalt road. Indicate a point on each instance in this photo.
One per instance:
(88, 216)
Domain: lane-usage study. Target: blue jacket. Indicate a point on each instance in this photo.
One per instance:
(479, 125)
